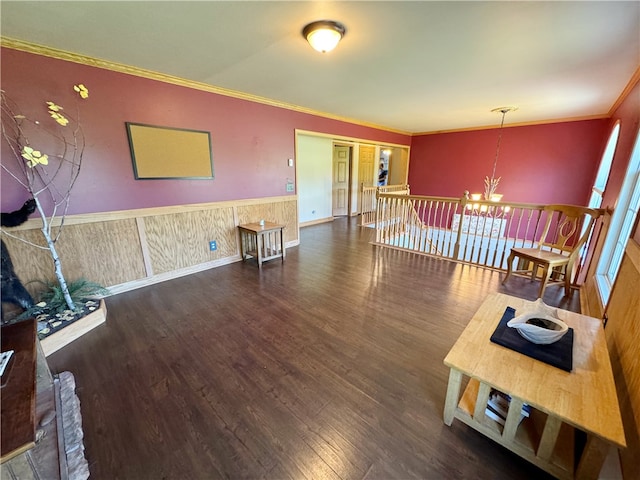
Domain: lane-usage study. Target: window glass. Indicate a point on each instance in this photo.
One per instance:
(622, 222)
(597, 190)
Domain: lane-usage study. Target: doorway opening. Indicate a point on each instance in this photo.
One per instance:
(385, 165)
(316, 175)
(396, 161)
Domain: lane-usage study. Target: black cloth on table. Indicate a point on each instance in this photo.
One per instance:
(559, 354)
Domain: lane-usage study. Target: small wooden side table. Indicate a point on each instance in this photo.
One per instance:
(584, 399)
(263, 242)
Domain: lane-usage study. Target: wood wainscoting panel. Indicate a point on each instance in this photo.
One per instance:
(107, 253)
(623, 335)
(128, 249)
(283, 213)
(181, 240)
(31, 263)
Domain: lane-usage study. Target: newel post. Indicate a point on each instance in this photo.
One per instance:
(463, 208)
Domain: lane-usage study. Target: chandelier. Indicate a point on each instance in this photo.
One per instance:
(491, 183)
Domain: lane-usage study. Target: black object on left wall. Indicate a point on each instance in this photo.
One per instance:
(12, 289)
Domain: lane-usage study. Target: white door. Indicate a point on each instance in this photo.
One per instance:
(367, 168)
(341, 168)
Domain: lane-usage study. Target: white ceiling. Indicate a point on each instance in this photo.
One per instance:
(408, 66)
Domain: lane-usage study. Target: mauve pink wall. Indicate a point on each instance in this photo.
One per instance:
(251, 141)
(554, 163)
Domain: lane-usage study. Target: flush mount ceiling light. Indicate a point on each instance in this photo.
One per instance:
(324, 35)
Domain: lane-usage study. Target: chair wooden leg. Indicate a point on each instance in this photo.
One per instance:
(534, 270)
(509, 267)
(543, 281)
(568, 270)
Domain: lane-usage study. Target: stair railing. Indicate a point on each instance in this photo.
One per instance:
(477, 232)
(368, 200)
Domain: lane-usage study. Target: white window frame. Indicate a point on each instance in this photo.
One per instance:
(622, 221)
(600, 183)
(597, 191)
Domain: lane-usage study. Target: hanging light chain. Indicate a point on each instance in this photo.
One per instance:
(495, 160)
(491, 184)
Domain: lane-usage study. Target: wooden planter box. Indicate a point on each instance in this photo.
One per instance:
(61, 338)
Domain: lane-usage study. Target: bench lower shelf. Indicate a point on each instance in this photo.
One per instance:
(552, 452)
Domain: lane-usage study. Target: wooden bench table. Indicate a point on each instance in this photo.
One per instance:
(263, 242)
(18, 395)
(29, 396)
(584, 399)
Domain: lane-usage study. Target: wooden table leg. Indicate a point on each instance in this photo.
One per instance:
(282, 243)
(594, 454)
(453, 395)
(242, 245)
(259, 245)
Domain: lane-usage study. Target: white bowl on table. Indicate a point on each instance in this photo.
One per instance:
(528, 326)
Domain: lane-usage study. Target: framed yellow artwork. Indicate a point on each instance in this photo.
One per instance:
(169, 153)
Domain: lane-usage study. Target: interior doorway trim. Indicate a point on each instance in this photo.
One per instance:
(351, 140)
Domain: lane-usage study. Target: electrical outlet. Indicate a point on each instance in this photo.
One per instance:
(213, 245)
(290, 187)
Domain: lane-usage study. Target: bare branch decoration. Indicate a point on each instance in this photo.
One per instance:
(48, 177)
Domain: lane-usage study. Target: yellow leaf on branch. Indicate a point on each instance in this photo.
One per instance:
(58, 117)
(53, 107)
(82, 90)
(34, 157)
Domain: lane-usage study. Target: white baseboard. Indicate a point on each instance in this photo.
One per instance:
(315, 222)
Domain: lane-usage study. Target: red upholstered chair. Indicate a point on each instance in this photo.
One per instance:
(558, 248)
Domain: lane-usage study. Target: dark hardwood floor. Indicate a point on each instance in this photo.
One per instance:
(329, 366)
